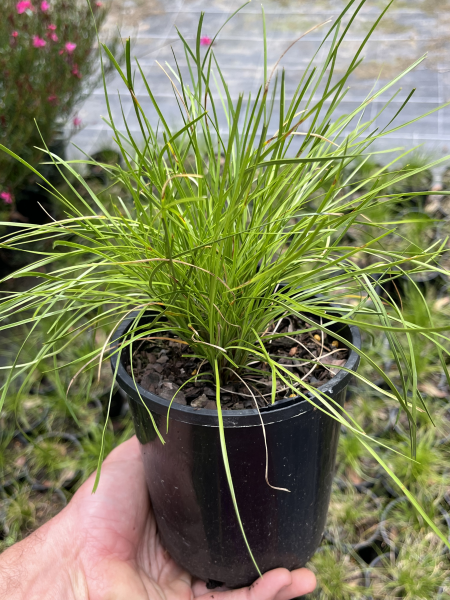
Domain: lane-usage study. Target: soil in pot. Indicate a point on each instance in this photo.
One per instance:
(162, 367)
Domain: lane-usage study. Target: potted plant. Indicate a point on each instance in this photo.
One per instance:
(234, 307)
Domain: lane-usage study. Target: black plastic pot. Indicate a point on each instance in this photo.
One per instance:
(189, 490)
(34, 204)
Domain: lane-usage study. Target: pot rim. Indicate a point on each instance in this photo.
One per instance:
(250, 417)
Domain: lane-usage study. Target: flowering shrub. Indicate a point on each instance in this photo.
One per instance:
(47, 64)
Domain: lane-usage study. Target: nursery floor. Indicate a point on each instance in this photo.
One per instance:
(409, 30)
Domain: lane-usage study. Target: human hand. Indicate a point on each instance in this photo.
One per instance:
(105, 546)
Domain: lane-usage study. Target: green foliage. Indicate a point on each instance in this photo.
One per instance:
(417, 573)
(218, 220)
(353, 516)
(338, 575)
(420, 177)
(401, 520)
(54, 460)
(92, 445)
(429, 468)
(42, 83)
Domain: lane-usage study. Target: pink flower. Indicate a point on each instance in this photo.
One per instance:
(99, 4)
(52, 99)
(14, 34)
(52, 27)
(70, 47)
(23, 5)
(205, 41)
(76, 121)
(38, 42)
(7, 197)
(45, 6)
(76, 72)
(53, 37)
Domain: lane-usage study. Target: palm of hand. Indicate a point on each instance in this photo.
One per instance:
(120, 553)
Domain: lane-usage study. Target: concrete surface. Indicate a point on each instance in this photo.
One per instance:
(410, 29)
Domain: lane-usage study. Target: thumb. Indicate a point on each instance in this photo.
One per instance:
(278, 584)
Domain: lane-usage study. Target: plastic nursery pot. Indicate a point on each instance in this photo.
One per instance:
(189, 490)
(34, 204)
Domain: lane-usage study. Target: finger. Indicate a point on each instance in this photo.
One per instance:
(199, 588)
(129, 450)
(303, 582)
(121, 471)
(266, 587)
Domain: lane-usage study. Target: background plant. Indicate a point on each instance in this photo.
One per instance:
(47, 65)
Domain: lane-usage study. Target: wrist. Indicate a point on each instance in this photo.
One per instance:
(46, 564)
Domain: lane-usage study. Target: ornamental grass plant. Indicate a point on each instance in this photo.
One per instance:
(221, 240)
(47, 60)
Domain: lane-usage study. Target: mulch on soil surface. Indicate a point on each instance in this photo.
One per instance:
(162, 367)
